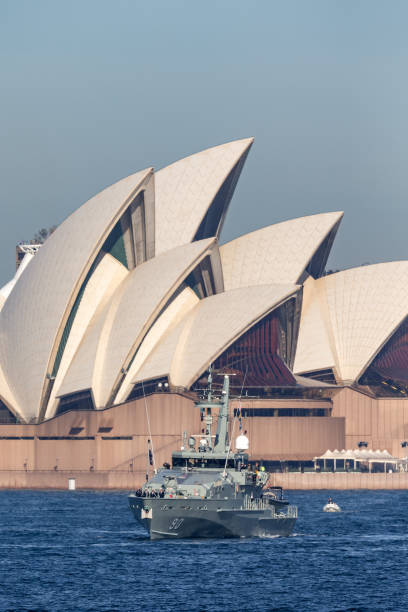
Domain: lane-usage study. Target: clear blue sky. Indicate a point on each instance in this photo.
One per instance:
(93, 90)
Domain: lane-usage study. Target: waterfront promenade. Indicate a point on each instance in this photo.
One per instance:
(127, 480)
(339, 480)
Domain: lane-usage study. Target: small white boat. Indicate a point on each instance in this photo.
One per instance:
(331, 507)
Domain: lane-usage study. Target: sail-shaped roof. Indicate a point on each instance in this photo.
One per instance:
(157, 335)
(194, 193)
(33, 319)
(280, 253)
(360, 309)
(158, 362)
(114, 339)
(314, 351)
(216, 322)
(105, 280)
(208, 329)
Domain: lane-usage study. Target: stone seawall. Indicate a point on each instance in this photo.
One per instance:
(345, 481)
(50, 479)
(129, 481)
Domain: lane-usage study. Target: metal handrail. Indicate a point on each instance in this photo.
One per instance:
(255, 504)
(291, 512)
(260, 504)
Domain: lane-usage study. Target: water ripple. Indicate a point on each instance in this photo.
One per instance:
(83, 552)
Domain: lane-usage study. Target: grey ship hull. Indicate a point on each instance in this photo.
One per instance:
(186, 518)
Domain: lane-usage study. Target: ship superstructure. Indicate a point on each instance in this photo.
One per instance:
(211, 491)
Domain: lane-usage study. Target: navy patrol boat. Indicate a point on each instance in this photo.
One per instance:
(210, 492)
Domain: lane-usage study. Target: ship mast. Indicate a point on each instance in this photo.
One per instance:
(221, 438)
(221, 448)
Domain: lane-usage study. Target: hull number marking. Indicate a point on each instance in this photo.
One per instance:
(175, 523)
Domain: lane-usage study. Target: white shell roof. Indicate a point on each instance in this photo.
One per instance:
(168, 320)
(313, 350)
(121, 327)
(158, 363)
(88, 359)
(144, 294)
(276, 254)
(34, 315)
(106, 278)
(186, 189)
(210, 327)
(216, 322)
(361, 308)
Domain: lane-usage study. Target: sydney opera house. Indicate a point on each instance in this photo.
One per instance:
(107, 331)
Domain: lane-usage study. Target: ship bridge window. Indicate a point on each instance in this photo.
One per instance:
(218, 463)
(202, 462)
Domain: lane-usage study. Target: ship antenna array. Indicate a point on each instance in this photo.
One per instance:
(233, 424)
(209, 395)
(150, 442)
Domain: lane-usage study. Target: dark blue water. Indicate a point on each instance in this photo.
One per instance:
(82, 551)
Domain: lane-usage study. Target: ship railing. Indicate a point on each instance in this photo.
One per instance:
(260, 504)
(290, 512)
(254, 504)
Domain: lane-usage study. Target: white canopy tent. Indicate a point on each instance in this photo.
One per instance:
(352, 458)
